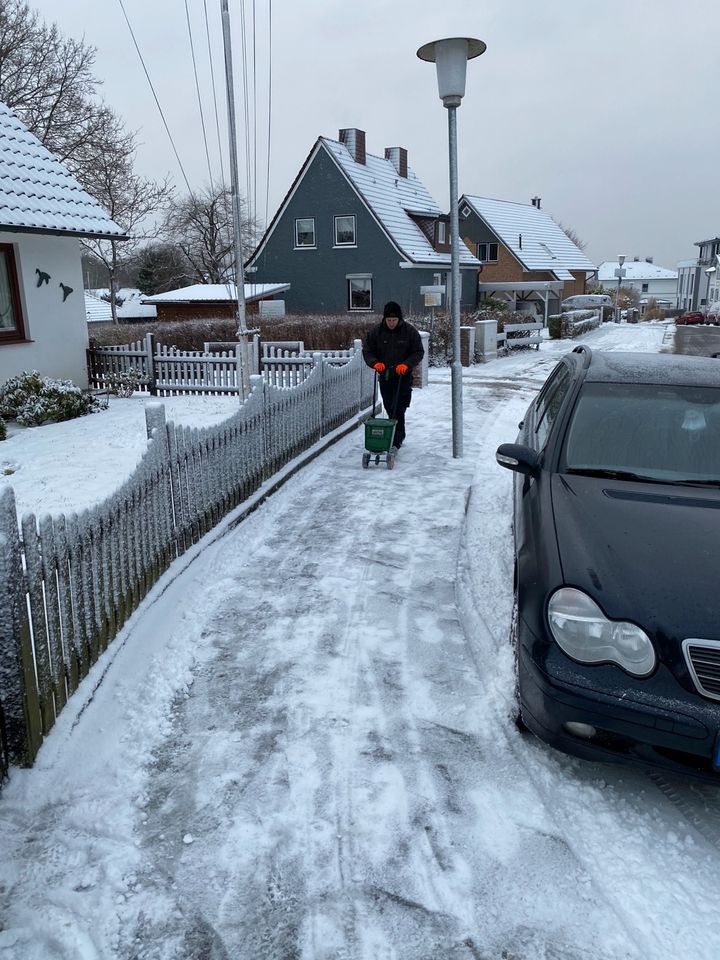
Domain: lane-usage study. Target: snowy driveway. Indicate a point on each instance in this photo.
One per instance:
(301, 748)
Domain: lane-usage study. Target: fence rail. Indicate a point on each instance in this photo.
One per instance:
(68, 584)
(167, 371)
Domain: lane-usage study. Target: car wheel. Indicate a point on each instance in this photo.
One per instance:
(514, 643)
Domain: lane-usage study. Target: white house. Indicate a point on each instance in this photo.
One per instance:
(646, 278)
(43, 212)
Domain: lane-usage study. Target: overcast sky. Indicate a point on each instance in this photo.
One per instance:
(607, 110)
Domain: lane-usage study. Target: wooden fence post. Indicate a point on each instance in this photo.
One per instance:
(20, 721)
(150, 360)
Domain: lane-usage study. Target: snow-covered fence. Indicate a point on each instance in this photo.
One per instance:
(68, 584)
(286, 363)
(217, 368)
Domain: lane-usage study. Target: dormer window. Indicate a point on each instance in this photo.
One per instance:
(441, 232)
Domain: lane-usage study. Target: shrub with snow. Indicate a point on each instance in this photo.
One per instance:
(31, 400)
(3, 429)
(124, 384)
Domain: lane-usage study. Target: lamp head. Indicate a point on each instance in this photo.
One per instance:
(621, 259)
(450, 57)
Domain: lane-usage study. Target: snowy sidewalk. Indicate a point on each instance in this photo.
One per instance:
(301, 746)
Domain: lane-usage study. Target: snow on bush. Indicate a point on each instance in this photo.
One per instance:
(32, 400)
(3, 429)
(124, 384)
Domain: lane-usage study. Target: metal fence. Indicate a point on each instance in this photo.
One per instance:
(69, 583)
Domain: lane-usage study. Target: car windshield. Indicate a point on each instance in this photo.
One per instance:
(642, 431)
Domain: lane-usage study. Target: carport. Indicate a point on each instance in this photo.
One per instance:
(520, 291)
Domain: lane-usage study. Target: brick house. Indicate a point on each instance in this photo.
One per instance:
(525, 257)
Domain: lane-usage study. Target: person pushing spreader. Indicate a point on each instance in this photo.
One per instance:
(393, 349)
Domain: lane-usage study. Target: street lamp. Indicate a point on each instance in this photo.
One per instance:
(450, 57)
(619, 273)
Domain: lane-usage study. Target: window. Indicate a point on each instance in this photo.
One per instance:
(442, 232)
(360, 293)
(11, 320)
(305, 232)
(487, 252)
(465, 211)
(549, 403)
(344, 231)
(644, 288)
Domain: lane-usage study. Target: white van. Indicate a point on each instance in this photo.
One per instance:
(587, 301)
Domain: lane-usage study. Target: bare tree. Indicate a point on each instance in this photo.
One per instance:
(572, 235)
(133, 202)
(201, 225)
(47, 80)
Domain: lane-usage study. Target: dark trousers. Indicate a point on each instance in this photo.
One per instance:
(395, 408)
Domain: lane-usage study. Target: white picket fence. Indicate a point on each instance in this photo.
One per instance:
(216, 369)
(68, 584)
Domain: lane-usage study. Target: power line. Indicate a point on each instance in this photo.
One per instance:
(214, 90)
(197, 90)
(267, 172)
(167, 129)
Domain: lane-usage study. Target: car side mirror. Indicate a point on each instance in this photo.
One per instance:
(517, 457)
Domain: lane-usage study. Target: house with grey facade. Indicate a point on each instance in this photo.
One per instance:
(356, 230)
(698, 279)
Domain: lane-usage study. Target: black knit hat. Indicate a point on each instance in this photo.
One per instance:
(392, 309)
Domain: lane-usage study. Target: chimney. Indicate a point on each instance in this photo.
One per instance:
(354, 140)
(649, 259)
(536, 202)
(398, 158)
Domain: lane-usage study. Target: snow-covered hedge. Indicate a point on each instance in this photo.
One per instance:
(573, 323)
(32, 400)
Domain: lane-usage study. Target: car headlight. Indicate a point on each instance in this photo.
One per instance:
(583, 632)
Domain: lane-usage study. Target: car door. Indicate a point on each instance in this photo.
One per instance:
(535, 541)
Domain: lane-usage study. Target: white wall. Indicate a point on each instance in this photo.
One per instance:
(56, 332)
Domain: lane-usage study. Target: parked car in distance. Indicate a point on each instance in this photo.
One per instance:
(686, 319)
(586, 301)
(616, 533)
(713, 313)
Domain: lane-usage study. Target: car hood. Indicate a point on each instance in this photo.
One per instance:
(645, 552)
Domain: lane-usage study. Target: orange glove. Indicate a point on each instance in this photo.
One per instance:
(401, 369)
(380, 367)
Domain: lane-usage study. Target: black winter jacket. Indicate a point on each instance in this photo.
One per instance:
(401, 345)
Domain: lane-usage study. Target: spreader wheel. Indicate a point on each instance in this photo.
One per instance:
(366, 461)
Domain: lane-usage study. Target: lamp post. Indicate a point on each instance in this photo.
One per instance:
(450, 57)
(619, 273)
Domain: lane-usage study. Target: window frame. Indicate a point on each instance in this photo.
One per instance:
(551, 399)
(349, 280)
(344, 216)
(487, 244)
(18, 334)
(305, 246)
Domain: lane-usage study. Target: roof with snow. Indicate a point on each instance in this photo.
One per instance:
(635, 270)
(97, 310)
(390, 198)
(38, 194)
(217, 293)
(531, 235)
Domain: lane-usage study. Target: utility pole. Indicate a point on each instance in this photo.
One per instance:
(242, 330)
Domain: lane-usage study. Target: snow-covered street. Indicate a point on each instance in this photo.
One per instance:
(300, 747)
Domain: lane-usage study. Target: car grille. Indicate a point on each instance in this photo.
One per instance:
(703, 660)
